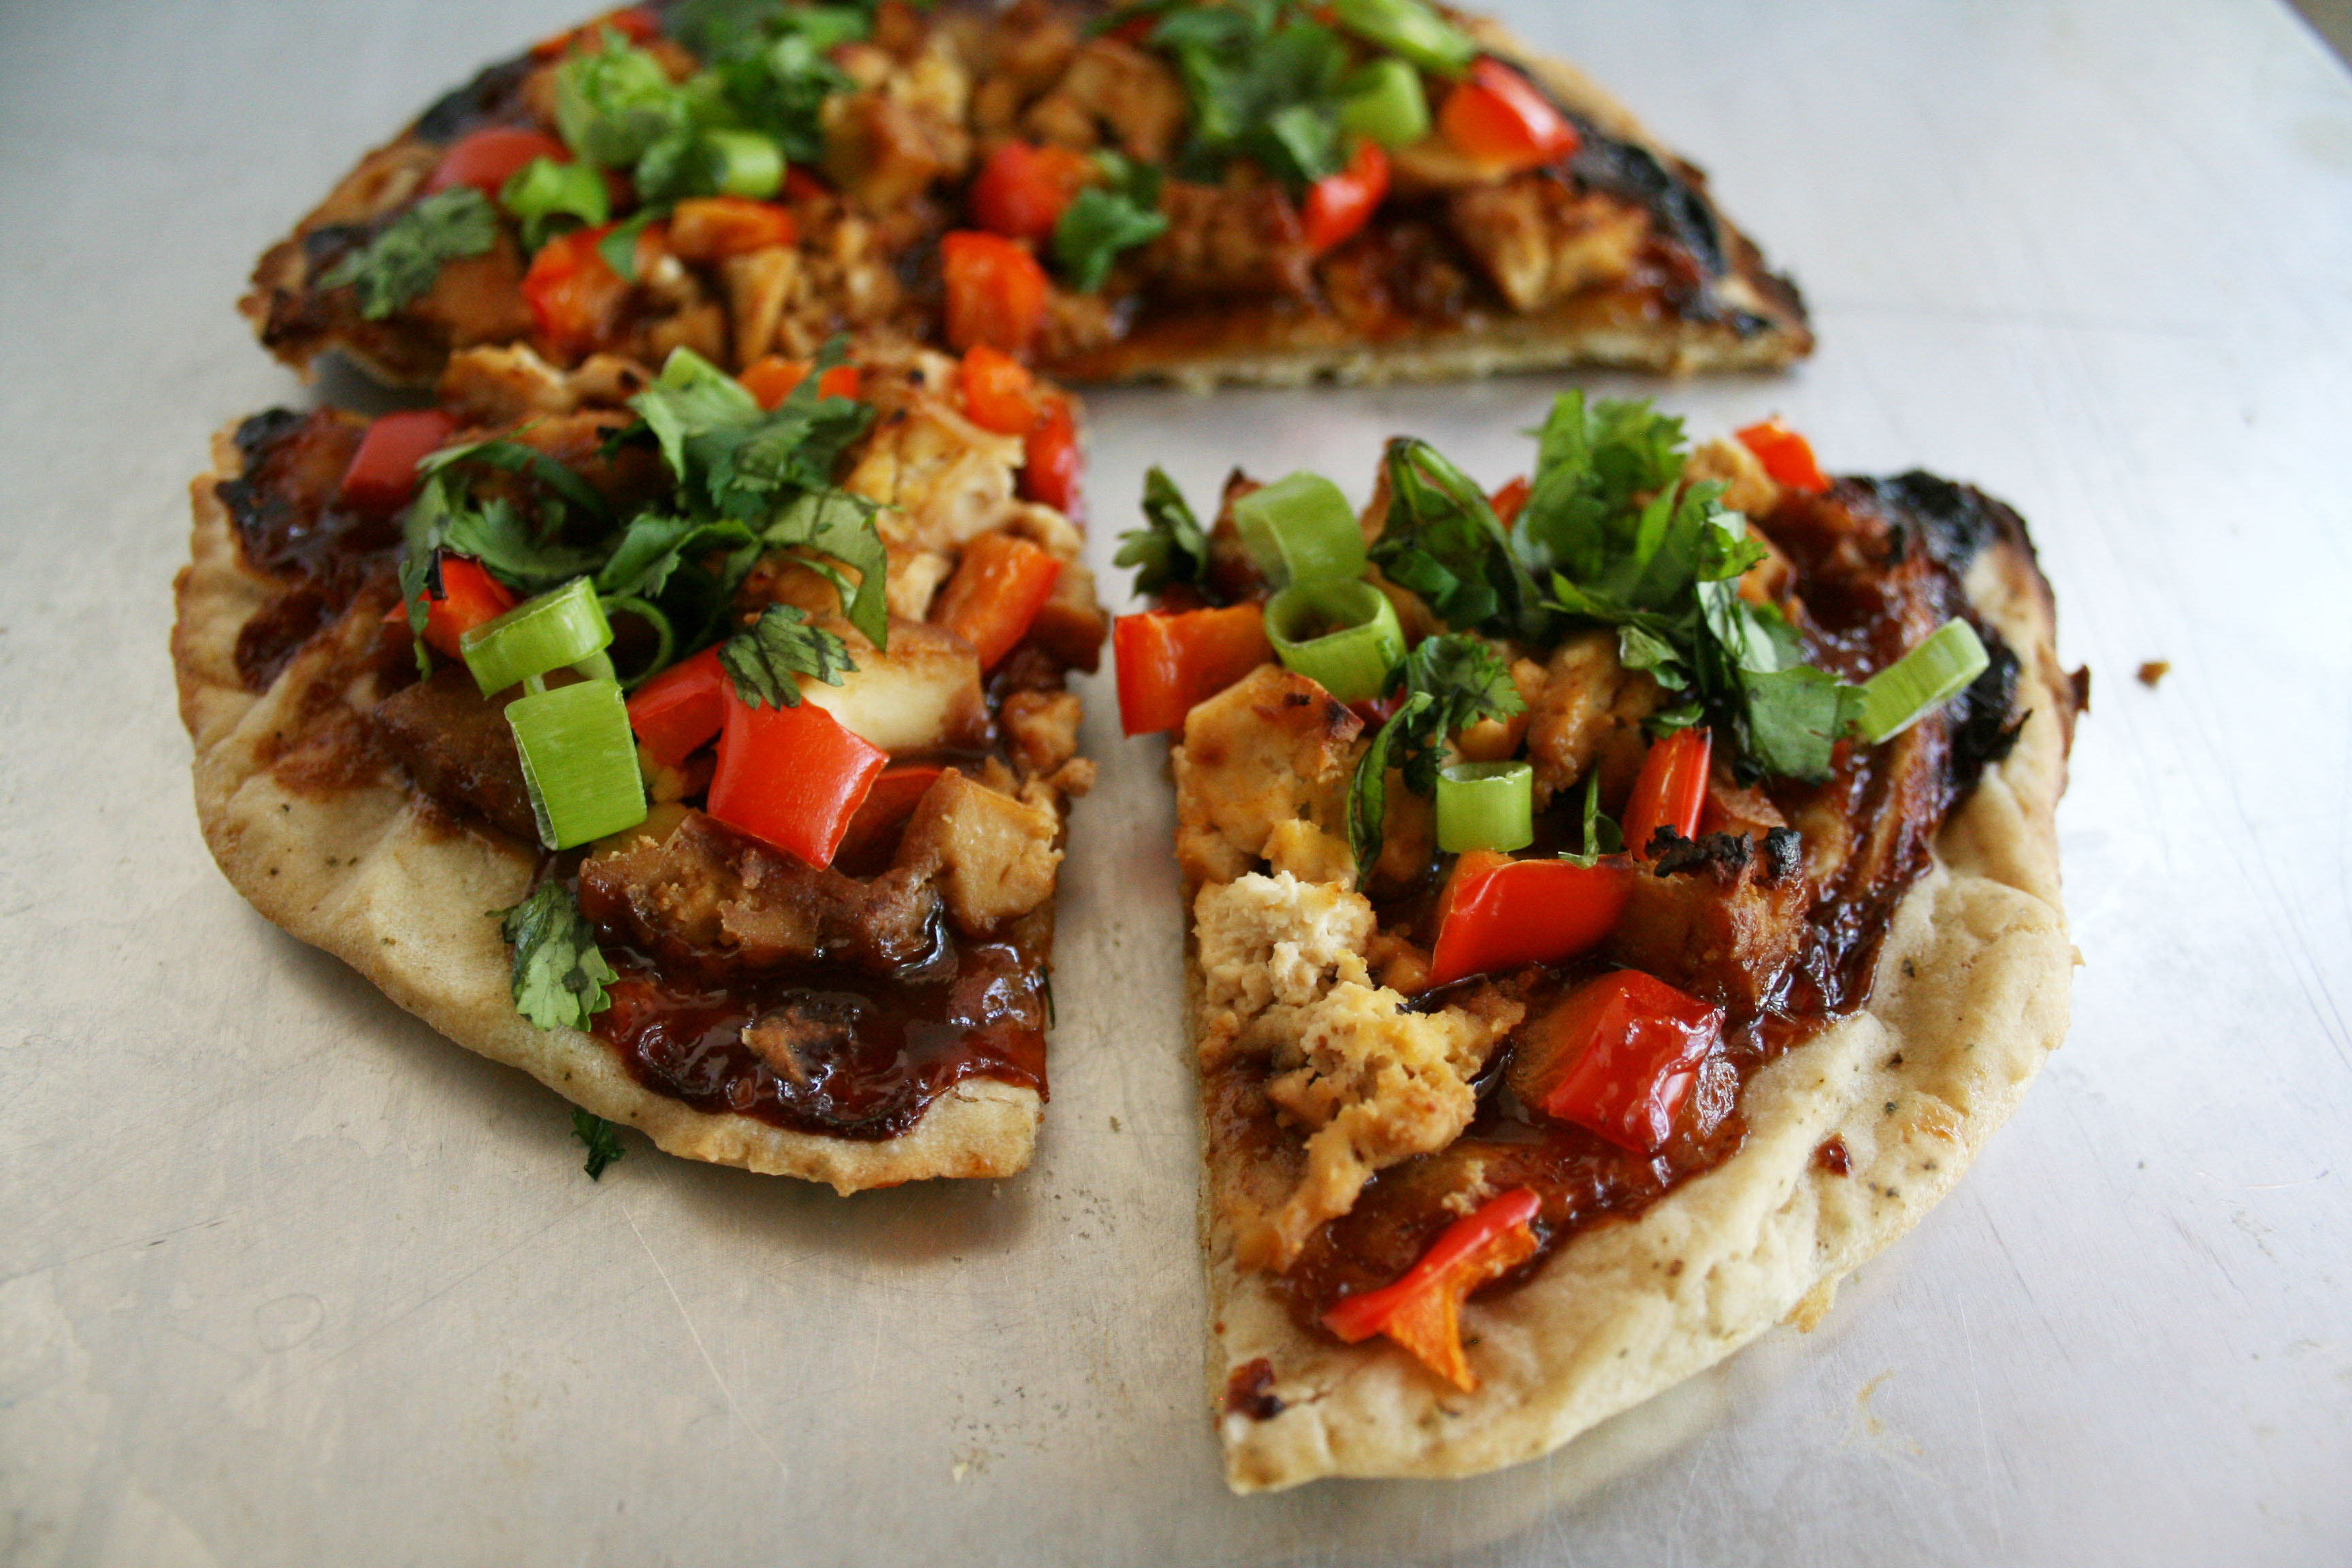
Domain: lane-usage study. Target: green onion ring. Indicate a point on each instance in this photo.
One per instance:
(1384, 101)
(559, 627)
(1486, 806)
(664, 637)
(1354, 662)
(1921, 681)
(1300, 529)
(1412, 29)
(579, 761)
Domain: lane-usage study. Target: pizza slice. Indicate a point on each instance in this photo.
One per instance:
(1191, 190)
(1619, 906)
(700, 746)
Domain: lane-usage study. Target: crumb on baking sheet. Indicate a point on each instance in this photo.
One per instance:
(2153, 672)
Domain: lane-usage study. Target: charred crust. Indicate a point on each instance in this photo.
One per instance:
(493, 95)
(1249, 1392)
(1723, 854)
(1783, 854)
(1983, 733)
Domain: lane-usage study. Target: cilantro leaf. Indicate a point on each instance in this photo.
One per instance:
(1264, 80)
(559, 973)
(1443, 540)
(529, 462)
(1368, 791)
(1602, 834)
(1103, 220)
(613, 104)
(399, 265)
(655, 546)
(1172, 547)
(769, 63)
(602, 1139)
(766, 662)
(1451, 683)
(836, 524)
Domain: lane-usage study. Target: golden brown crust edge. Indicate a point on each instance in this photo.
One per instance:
(364, 874)
(1971, 995)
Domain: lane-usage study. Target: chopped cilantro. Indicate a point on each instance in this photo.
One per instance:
(1173, 548)
(1602, 834)
(559, 974)
(602, 1139)
(1103, 220)
(545, 192)
(398, 266)
(613, 104)
(1264, 79)
(770, 65)
(1443, 542)
(767, 661)
(1451, 683)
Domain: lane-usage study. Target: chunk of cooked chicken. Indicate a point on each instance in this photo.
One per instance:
(944, 480)
(505, 385)
(994, 856)
(1720, 917)
(1042, 727)
(1541, 241)
(1590, 710)
(923, 694)
(1114, 87)
(1272, 748)
(881, 151)
(1228, 239)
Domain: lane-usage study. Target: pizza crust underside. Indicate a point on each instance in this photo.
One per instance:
(402, 897)
(1971, 994)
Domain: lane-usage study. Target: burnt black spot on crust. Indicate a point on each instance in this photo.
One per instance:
(1249, 1392)
(1983, 733)
(1635, 173)
(492, 96)
(1783, 854)
(1725, 854)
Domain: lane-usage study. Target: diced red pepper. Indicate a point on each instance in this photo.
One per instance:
(1497, 913)
(800, 185)
(1021, 190)
(575, 297)
(997, 589)
(1618, 1058)
(1670, 789)
(634, 23)
(467, 596)
(887, 805)
(1423, 1310)
(1497, 117)
(772, 378)
(1167, 663)
(487, 159)
(999, 393)
(791, 776)
(1050, 461)
(1339, 205)
(382, 473)
(996, 292)
(1786, 456)
(1510, 500)
(678, 710)
(712, 228)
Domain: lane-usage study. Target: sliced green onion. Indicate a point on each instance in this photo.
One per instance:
(747, 163)
(1921, 681)
(558, 628)
(664, 635)
(1385, 103)
(1344, 636)
(543, 190)
(1486, 806)
(1412, 29)
(580, 760)
(1300, 530)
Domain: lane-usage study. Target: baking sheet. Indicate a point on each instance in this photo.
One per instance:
(286, 1279)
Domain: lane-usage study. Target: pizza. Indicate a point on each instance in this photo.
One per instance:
(704, 753)
(1619, 906)
(1177, 189)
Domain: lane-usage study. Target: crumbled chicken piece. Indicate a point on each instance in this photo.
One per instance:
(1746, 487)
(1230, 239)
(915, 579)
(1114, 85)
(993, 854)
(1719, 918)
(501, 385)
(1498, 740)
(1308, 853)
(881, 152)
(1042, 727)
(478, 299)
(1591, 709)
(944, 479)
(760, 286)
(923, 693)
(1269, 749)
(702, 328)
(1267, 941)
(1408, 833)
(1541, 242)
(1072, 624)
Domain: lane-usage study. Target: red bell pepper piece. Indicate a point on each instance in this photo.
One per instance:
(712, 228)
(791, 776)
(470, 596)
(772, 378)
(487, 159)
(680, 708)
(999, 393)
(575, 297)
(1021, 190)
(1510, 500)
(800, 185)
(1670, 789)
(1498, 117)
(1497, 913)
(1423, 1310)
(997, 589)
(1167, 663)
(996, 292)
(1339, 205)
(634, 23)
(1050, 461)
(1786, 456)
(1618, 1058)
(382, 473)
(887, 805)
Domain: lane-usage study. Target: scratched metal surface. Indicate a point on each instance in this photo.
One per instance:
(285, 1278)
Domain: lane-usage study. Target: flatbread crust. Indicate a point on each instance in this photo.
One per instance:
(357, 867)
(1970, 996)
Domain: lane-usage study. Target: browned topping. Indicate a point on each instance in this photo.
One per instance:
(2150, 673)
(1832, 1157)
(456, 744)
(1249, 1392)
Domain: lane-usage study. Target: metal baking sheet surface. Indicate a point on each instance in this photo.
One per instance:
(286, 1279)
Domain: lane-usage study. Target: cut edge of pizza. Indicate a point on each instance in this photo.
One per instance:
(1595, 1038)
(1164, 192)
(884, 914)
